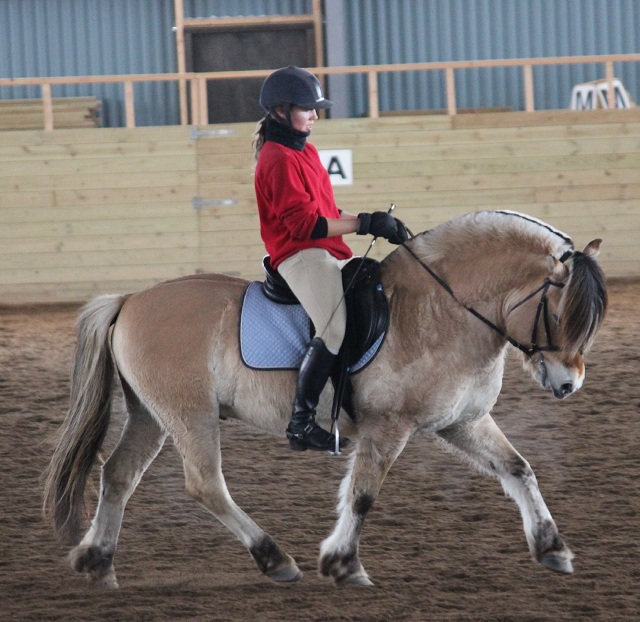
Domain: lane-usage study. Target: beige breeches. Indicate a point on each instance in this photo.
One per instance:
(314, 276)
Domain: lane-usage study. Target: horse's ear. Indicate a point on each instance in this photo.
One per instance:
(593, 248)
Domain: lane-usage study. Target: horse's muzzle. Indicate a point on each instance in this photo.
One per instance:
(563, 391)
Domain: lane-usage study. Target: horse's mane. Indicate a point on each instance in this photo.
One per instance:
(584, 303)
(507, 229)
(584, 299)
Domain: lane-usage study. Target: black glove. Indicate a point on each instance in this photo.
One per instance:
(378, 224)
(401, 235)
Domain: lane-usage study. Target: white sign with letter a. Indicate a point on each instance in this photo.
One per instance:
(339, 164)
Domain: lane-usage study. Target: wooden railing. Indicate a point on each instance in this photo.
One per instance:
(198, 82)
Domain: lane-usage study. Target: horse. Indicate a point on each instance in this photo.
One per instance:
(460, 296)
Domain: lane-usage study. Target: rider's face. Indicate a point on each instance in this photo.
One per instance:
(302, 119)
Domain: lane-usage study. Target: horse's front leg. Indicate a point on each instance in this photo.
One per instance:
(487, 447)
(369, 465)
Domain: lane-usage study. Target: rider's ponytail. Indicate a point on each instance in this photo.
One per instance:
(259, 136)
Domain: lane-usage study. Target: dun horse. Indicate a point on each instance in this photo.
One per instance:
(459, 295)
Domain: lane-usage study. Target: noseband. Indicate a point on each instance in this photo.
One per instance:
(542, 310)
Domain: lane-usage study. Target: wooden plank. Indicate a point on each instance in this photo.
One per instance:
(611, 146)
(210, 162)
(247, 269)
(211, 254)
(488, 166)
(546, 117)
(151, 272)
(239, 206)
(78, 292)
(71, 260)
(228, 224)
(164, 240)
(64, 230)
(226, 177)
(113, 196)
(36, 104)
(433, 183)
(607, 215)
(48, 214)
(103, 180)
(587, 192)
(583, 211)
(160, 148)
(226, 145)
(41, 198)
(99, 260)
(407, 139)
(98, 167)
(432, 199)
(91, 136)
(226, 191)
(210, 23)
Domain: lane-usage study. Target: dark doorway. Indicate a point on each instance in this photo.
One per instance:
(265, 46)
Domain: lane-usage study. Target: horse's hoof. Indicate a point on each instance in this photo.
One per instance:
(273, 562)
(361, 580)
(287, 575)
(344, 569)
(551, 551)
(107, 582)
(96, 563)
(558, 561)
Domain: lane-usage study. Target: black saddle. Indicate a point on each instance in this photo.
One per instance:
(367, 305)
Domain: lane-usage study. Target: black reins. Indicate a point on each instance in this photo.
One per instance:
(543, 309)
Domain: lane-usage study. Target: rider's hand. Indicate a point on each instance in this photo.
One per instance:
(378, 224)
(401, 235)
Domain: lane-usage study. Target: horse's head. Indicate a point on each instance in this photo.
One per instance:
(560, 320)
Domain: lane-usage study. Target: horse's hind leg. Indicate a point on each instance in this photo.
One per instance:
(487, 447)
(370, 464)
(199, 446)
(141, 440)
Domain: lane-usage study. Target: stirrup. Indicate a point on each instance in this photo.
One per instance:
(313, 437)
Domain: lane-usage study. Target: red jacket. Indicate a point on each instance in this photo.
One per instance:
(292, 190)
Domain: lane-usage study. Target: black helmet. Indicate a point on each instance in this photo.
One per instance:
(292, 85)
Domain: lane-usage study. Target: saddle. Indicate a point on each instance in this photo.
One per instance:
(367, 305)
(367, 318)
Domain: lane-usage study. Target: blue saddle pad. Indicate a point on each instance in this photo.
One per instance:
(276, 336)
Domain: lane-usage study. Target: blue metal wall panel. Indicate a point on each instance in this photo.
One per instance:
(85, 37)
(407, 31)
(90, 37)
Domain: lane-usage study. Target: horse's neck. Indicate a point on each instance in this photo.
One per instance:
(473, 269)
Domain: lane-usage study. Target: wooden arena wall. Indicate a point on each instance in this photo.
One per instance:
(91, 211)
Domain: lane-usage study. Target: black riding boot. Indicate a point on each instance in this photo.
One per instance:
(303, 432)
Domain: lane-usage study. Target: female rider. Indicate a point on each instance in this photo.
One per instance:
(302, 230)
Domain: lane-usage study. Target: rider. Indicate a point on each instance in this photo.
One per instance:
(302, 229)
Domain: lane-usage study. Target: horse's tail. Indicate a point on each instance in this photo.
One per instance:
(83, 430)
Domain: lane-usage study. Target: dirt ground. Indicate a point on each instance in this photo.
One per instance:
(442, 542)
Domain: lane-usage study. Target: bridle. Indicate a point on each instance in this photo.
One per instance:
(542, 310)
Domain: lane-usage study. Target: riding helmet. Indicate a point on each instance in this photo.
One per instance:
(295, 86)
